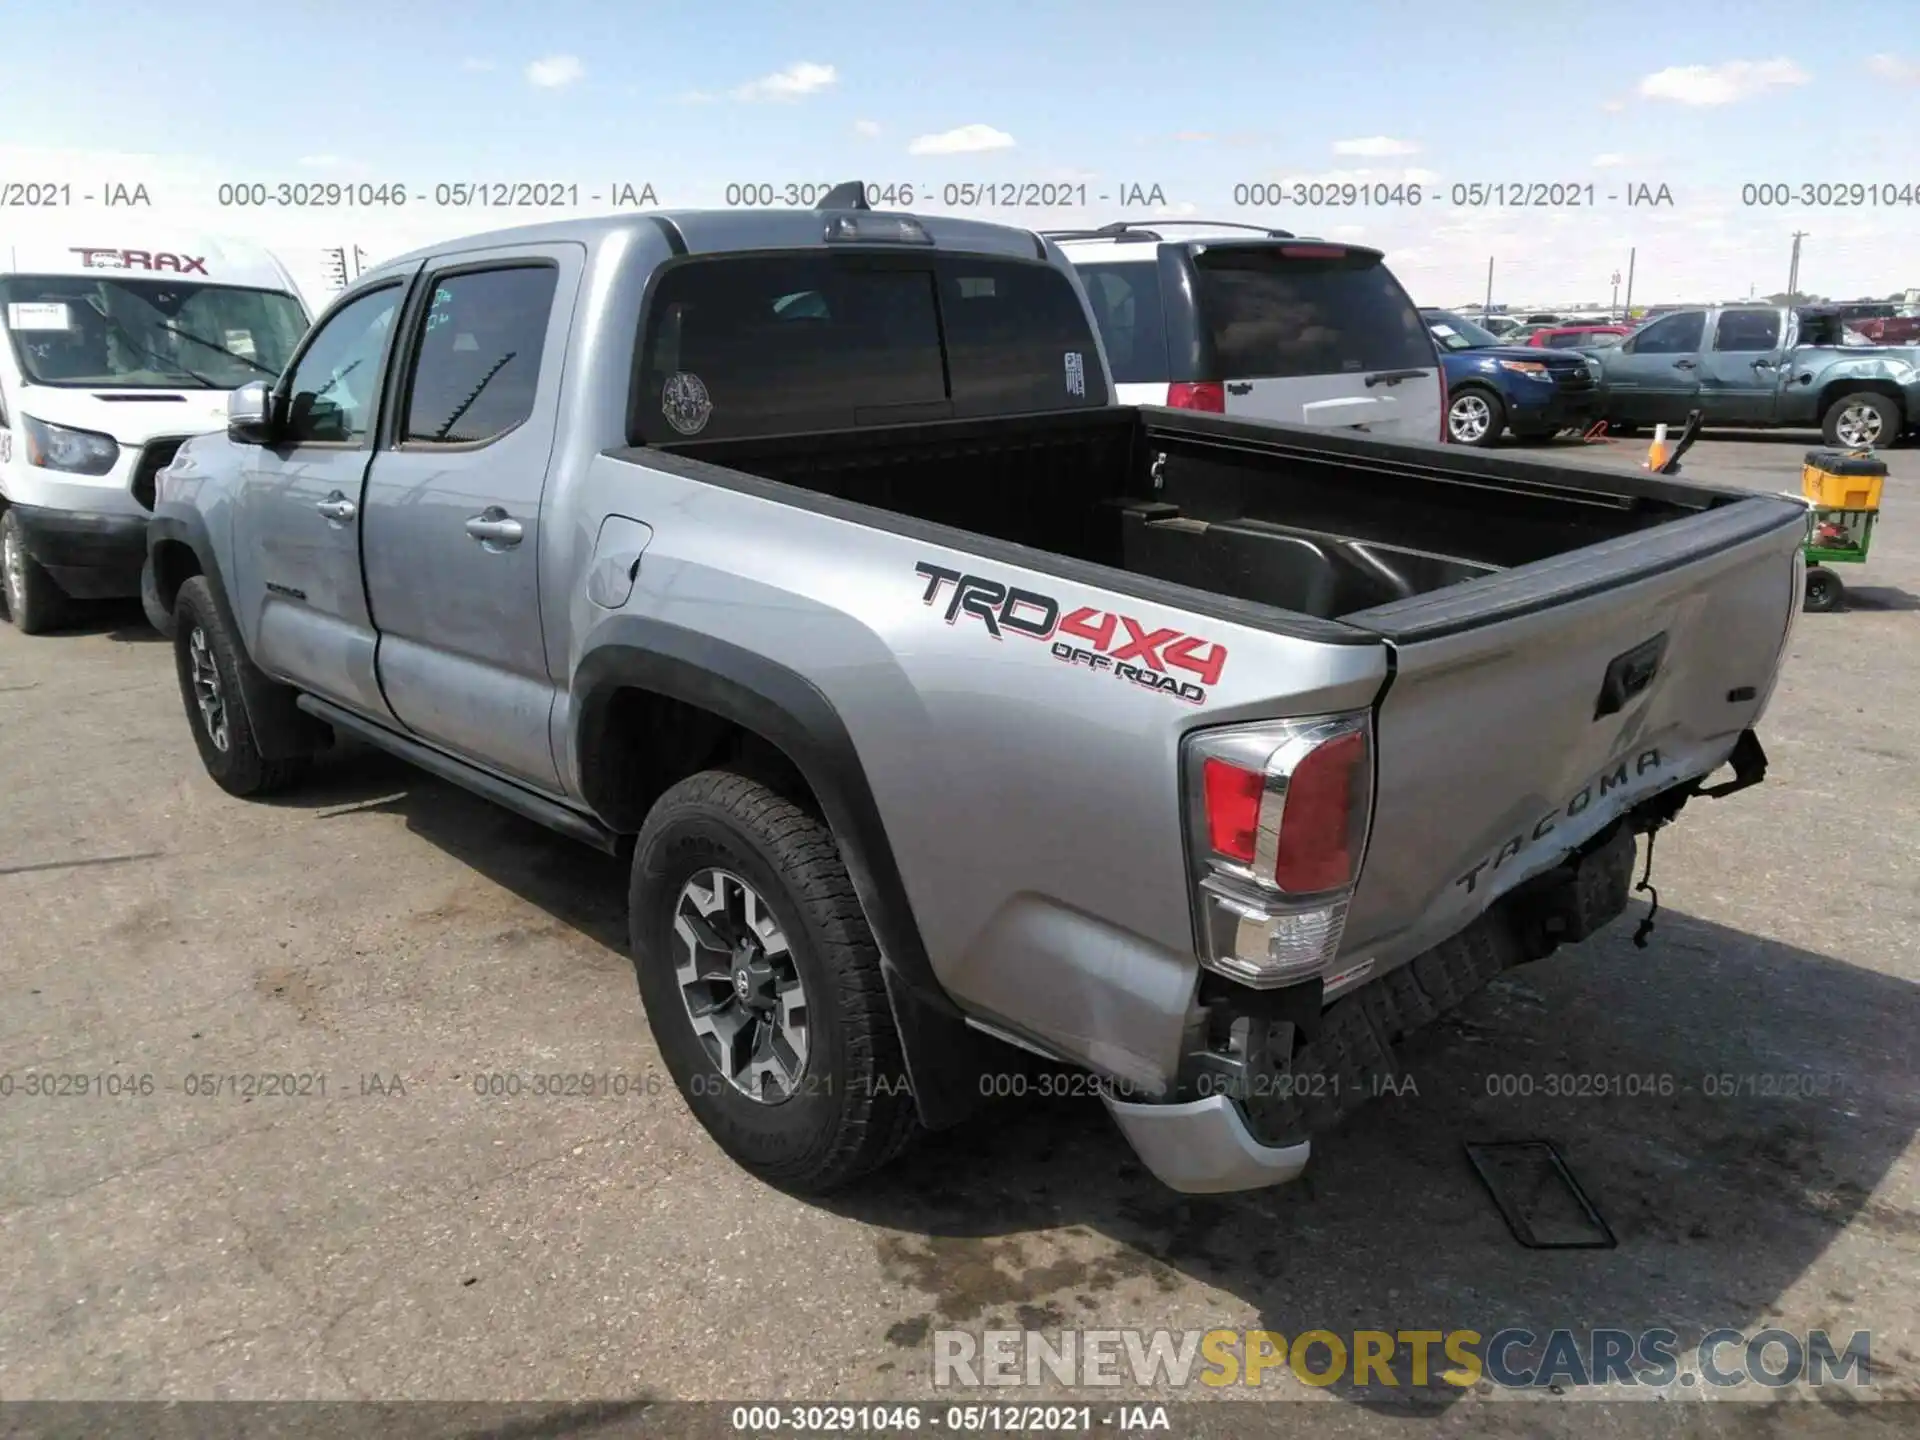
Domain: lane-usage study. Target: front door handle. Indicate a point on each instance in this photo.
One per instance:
(495, 529)
(337, 508)
(1763, 364)
(1683, 364)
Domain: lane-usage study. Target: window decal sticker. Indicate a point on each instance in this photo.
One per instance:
(685, 402)
(1076, 373)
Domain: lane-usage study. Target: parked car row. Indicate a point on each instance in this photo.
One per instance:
(716, 539)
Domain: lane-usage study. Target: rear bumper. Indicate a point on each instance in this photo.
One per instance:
(90, 556)
(1203, 1147)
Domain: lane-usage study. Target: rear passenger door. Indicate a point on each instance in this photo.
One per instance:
(452, 534)
(1317, 335)
(1740, 370)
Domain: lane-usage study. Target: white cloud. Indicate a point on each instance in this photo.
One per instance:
(962, 140)
(1720, 84)
(803, 77)
(1414, 176)
(1609, 161)
(475, 64)
(1192, 135)
(555, 71)
(866, 129)
(1892, 67)
(1613, 107)
(1375, 147)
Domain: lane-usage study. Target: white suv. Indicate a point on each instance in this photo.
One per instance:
(1269, 326)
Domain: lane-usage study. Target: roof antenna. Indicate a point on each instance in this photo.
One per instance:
(850, 196)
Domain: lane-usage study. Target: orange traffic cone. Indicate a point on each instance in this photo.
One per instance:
(1657, 452)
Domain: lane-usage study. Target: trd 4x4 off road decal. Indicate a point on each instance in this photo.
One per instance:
(1118, 644)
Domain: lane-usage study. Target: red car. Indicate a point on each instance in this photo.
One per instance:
(1569, 337)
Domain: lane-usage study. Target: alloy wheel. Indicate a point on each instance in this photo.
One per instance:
(1468, 419)
(208, 693)
(741, 987)
(1858, 427)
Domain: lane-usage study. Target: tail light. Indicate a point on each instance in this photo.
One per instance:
(1198, 395)
(1278, 816)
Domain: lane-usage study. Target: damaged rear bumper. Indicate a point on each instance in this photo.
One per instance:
(1203, 1147)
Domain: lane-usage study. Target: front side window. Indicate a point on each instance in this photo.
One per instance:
(1456, 332)
(1672, 335)
(331, 393)
(477, 367)
(147, 334)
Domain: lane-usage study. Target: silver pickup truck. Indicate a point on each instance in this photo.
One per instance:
(942, 703)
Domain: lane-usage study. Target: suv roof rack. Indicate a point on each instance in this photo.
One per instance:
(1120, 229)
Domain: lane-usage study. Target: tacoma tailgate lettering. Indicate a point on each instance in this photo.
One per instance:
(1610, 780)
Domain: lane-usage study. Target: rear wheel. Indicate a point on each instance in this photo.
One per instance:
(762, 984)
(1475, 417)
(34, 603)
(1825, 592)
(1861, 421)
(210, 663)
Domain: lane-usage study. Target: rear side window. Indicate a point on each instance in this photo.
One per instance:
(477, 368)
(780, 344)
(1274, 316)
(1747, 330)
(1126, 307)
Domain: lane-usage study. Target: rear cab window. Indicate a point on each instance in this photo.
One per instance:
(1268, 313)
(744, 345)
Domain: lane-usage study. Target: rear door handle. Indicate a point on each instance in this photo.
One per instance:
(495, 529)
(337, 508)
(1683, 365)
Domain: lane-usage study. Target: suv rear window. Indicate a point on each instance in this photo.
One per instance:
(780, 344)
(1269, 315)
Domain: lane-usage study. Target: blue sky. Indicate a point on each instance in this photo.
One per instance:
(1196, 98)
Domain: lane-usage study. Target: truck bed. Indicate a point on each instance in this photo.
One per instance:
(1299, 520)
(1564, 643)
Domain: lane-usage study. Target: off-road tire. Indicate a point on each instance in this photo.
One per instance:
(34, 602)
(852, 1110)
(237, 768)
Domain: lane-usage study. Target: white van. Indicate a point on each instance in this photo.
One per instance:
(110, 356)
(1268, 325)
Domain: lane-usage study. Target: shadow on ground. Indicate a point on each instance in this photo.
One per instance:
(1729, 1102)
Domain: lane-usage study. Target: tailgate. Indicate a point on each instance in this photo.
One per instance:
(1529, 709)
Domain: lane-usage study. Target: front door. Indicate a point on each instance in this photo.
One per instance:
(1740, 371)
(298, 589)
(1655, 376)
(453, 522)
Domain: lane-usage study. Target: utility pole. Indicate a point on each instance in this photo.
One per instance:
(1488, 310)
(1793, 268)
(1630, 258)
(1614, 309)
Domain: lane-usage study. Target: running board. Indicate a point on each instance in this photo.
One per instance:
(537, 808)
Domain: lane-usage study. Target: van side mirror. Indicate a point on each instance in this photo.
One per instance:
(250, 414)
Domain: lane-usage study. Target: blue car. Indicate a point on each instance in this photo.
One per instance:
(1494, 387)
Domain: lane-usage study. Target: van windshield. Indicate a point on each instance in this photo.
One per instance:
(147, 334)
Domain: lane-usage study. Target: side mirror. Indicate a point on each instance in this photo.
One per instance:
(250, 414)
